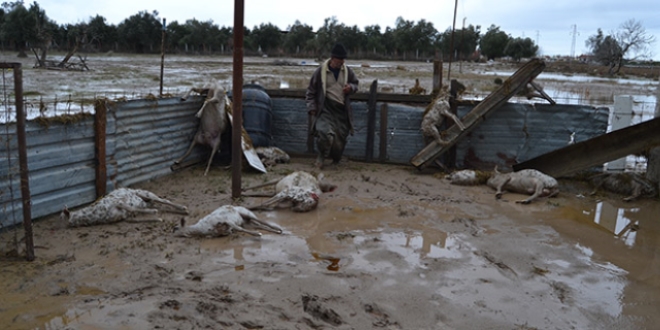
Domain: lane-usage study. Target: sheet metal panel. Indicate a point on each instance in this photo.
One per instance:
(151, 135)
(61, 166)
(144, 137)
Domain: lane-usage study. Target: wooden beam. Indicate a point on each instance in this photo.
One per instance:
(494, 100)
(596, 151)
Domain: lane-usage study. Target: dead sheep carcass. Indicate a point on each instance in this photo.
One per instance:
(631, 185)
(212, 121)
(122, 204)
(435, 113)
(468, 177)
(299, 191)
(272, 155)
(224, 221)
(529, 181)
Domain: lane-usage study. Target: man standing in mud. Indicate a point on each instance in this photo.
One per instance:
(329, 105)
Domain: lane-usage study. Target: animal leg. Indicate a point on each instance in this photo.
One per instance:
(190, 149)
(537, 193)
(266, 226)
(208, 165)
(269, 202)
(149, 196)
(137, 210)
(269, 183)
(500, 192)
(456, 120)
(593, 192)
(437, 137)
(636, 193)
(144, 220)
(241, 229)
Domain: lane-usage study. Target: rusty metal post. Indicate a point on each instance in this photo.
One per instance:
(162, 57)
(237, 98)
(22, 158)
(100, 124)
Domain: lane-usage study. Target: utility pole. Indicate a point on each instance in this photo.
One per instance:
(574, 33)
(451, 42)
(460, 47)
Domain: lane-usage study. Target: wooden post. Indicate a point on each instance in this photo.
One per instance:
(437, 76)
(382, 155)
(371, 120)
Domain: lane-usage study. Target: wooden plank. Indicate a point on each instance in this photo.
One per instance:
(493, 101)
(596, 151)
(371, 121)
(360, 96)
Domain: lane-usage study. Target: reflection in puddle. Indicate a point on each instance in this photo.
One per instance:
(616, 221)
(336, 254)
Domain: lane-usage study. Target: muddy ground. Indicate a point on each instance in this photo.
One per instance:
(391, 248)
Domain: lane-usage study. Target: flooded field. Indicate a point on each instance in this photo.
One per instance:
(121, 76)
(391, 248)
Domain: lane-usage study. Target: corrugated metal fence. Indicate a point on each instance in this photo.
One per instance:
(144, 137)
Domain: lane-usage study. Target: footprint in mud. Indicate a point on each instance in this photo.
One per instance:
(562, 291)
(313, 305)
(501, 266)
(382, 319)
(470, 224)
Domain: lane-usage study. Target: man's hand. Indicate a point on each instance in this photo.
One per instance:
(347, 89)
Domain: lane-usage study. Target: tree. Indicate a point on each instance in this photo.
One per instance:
(466, 41)
(352, 38)
(328, 35)
(424, 35)
(18, 26)
(605, 49)
(611, 49)
(141, 32)
(101, 35)
(297, 37)
(374, 39)
(518, 48)
(492, 44)
(267, 37)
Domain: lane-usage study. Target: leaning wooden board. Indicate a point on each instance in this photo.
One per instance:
(494, 100)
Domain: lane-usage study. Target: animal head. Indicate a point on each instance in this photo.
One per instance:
(325, 186)
(302, 200)
(66, 214)
(177, 230)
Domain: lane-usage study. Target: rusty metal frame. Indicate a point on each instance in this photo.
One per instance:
(22, 157)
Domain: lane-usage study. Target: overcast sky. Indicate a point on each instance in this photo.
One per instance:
(559, 27)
